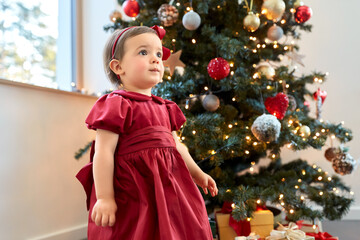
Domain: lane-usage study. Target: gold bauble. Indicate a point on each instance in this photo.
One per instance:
(304, 131)
(267, 71)
(115, 15)
(273, 9)
(251, 22)
(298, 3)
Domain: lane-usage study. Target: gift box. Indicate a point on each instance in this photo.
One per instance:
(288, 232)
(262, 223)
(225, 232)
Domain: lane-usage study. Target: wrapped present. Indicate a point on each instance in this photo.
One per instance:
(322, 236)
(252, 236)
(291, 232)
(262, 223)
(228, 228)
(308, 227)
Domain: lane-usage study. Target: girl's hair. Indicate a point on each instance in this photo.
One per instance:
(119, 49)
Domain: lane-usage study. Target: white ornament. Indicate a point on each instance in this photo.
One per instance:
(266, 128)
(191, 20)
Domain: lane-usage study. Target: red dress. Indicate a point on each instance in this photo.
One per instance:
(154, 191)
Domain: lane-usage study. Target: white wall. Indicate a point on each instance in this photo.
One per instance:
(40, 132)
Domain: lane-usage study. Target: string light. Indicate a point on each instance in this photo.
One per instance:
(247, 138)
(352, 193)
(329, 179)
(228, 190)
(233, 99)
(248, 219)
(273, 156)
(281, 196)
(233, 205)
(264, 46)
(322, 130)
(247, 152)
(302, 198)
(299, 180)
(283, 21)
(182, 138)
(194, 132)
(227, 136)
(169, 77)
(258, 201)
(292, 10)
(253, 163)
(321, 193)
(213, 152)
(320, 178)
(193, 41)
(255, 143)
(303, 172)
(206, 88)
(282, 203)
(292, 211)
(230, 125)
(296, 187)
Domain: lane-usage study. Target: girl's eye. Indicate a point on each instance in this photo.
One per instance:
(143, 52)
(159, 54)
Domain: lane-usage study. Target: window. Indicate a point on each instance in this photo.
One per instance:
(36, 42)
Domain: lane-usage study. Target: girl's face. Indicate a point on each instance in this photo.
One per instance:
(142, 66)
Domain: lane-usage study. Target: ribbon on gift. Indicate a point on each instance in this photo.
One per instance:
(322, 236)
(242, 228)
(291, 232)
(301, 224)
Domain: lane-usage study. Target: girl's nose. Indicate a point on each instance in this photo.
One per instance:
(155, 60)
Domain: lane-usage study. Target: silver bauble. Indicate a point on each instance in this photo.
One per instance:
(211, 103)
(267, 71)
(275, 32)
(266, 128)
(191, 20)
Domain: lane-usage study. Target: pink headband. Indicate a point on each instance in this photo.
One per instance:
(160, 32)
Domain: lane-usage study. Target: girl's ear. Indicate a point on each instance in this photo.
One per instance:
(116, 67)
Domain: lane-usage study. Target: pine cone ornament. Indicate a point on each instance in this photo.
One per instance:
(168, 15)
(331, 153)
(343, 163)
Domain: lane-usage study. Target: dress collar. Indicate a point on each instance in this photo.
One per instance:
(139, 96)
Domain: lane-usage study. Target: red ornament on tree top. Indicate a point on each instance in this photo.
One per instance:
(302, 14)
(320, 93)
(131, 8)
(277, 105)
(218, 68)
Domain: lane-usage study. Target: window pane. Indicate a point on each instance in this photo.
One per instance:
(28, 35)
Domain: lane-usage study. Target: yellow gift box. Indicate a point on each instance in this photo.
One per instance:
(262, 223)
(224, 230)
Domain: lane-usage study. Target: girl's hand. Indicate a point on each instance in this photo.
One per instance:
(206, 182)
(103, 212)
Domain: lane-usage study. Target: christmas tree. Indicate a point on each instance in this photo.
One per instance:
(243, 103)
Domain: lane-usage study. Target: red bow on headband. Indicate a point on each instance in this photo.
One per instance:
(160, 32)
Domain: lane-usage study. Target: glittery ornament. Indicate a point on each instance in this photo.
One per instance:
(273, 9)
(267, 71)
(211, 102)
(302, 14)
(191, 20)
(292, 103)
(131, 8)
(218, 68)
(115, 15)
(266, 128)
(251, 22)
(331, 153)
(305, 131)
(343, 163)
(167, 14)
(275, 32)
(277, 105)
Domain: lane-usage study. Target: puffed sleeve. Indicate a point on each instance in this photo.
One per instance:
(177, 118)
(111, 112)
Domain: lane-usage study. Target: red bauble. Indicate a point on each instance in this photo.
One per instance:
(320, 93)
(131, 8)
(218, 68)
(302, 14)
(277, 105)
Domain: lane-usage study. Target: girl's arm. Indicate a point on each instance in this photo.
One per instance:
(103, 213)
(200, 178)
